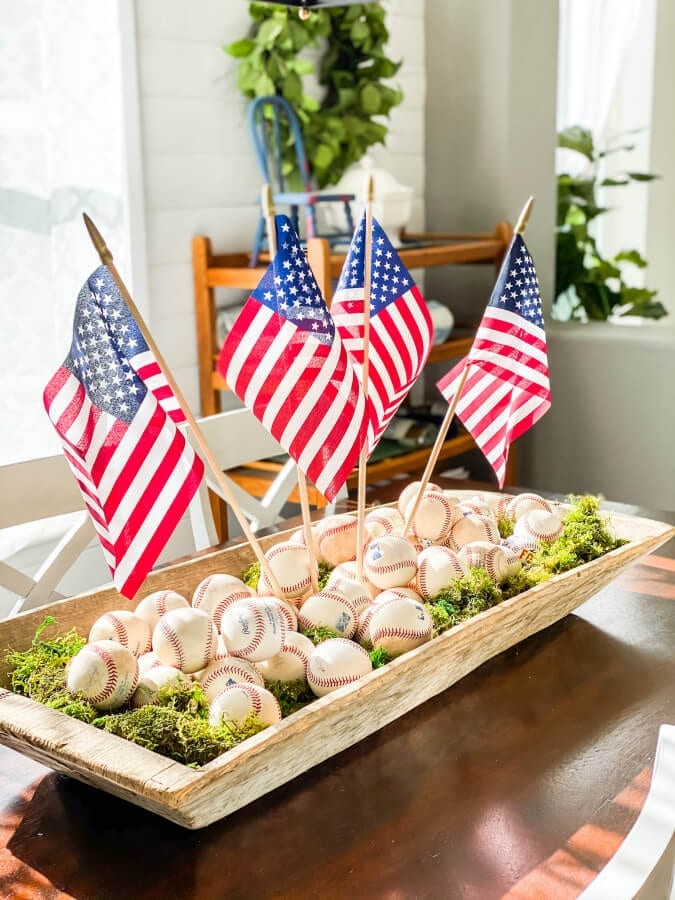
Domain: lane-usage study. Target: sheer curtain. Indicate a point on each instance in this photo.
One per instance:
(62, 151)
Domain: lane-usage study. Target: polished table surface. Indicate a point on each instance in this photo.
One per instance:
(519, 781)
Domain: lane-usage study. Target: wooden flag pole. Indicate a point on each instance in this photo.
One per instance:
(521, 224)
(107, 260)
(268, 213)
(363, 457)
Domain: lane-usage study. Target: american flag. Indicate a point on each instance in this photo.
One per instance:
(115, 414)
(400, 326)
(507, 389)
(285, 360)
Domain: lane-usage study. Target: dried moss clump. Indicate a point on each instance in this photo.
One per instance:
(379, 657)
(292, 695)
(186, 738)
(505, 525)
(320, 633)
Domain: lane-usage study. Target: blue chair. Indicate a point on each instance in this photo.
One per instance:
(270, 120)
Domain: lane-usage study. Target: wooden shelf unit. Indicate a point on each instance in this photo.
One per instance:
(418, 251)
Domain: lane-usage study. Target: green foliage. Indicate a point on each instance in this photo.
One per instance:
(43, 656)
(353, 73)
(251, 576)
(379, 657)
(320, 633)
(505, 525)
(591, 285)
(292, 695)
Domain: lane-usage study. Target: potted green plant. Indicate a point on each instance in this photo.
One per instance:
(588, 284)
(353, 70)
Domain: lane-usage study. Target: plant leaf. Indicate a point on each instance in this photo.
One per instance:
(614, 182)
(642, 176)
(241, 48)
(631, 256)
(577, 138)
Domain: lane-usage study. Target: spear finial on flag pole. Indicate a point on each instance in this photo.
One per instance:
(445, 425)
(269, 213)
(107, 260)
(365, 374)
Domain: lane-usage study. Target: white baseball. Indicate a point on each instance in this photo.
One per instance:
(291, 567)
(475, 506)
(538, 524)
(383, 520)
(290, 664)
(485, 555)
(409, 493)
(287, 611)
(148, 661)
(298, 537)
(253, 629)
(400, 625)
(362, 635)
(473, 528)
(236, 703)
(336, 538)
(523, 503)
(154, 606)
(104, 672)
(396, 593)
(497, 503)
(152, 681)
(124, 627)
(185, 639)
(434, 518)
(329, 609)
(218, 591)
(336, 663)
(390, 561)
(355, 591)
(523, 546)
(513, 561)
(437, 568)
(222, 673)
(348, 572)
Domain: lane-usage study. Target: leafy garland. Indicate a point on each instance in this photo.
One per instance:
(338, 130)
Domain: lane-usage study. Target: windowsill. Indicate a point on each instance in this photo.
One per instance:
(659, 333)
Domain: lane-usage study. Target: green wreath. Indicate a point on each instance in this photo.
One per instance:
(338, 130)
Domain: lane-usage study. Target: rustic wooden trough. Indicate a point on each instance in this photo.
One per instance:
(195, 798)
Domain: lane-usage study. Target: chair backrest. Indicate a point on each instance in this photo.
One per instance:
(272, 124)
(33, 492)
(236, 438)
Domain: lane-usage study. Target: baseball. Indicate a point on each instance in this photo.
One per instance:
(287, 611)
(185, 639)
(473, 528)
(336, 663)
(383, 520)
(484, 555)
(104, 672)
(409, 493)
(152, 608)
(396, 593)
(362, 635)
(437, 568)
(222, 673)
(523, 503)
(347, 571)
(355, 591)
(523, 546)
(539, 525)
(236, 703)
(475, 506)
(124, 627)
(216, 592)
(298, 537)
(496, 503)
(400, 625)
(253, 629)
(291, 567)
(330, 609)
(513, 562)
(434, 518)
(148, 661)
(152, 681)
(336, 538)
(390, 561)
(290, 664)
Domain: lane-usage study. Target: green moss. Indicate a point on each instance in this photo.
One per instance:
(292, 695)
(379, 657)
(251, 576)
(528, 577)
(186, 738)
(324, 575)
(475, 588)
(31, 668)
(320, 633)
(585, 536)
(505, 526)
(185, 698)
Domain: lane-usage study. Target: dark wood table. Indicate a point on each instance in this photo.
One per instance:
(519, 781)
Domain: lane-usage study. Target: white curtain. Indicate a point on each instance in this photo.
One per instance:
(61, 152)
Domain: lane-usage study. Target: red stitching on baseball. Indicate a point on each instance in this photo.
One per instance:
(291, 618)
(227, 669)
(256, 638)
(256, 700)
(209, 643)
(172, 638)
(391, 567)
(120, 629)
(111, 668)
(397, 631)
(335, 529)
(201, 590)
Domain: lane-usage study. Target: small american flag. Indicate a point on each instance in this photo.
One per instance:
(400, 326)
(115, 414)
(285, 360)
(507, 389)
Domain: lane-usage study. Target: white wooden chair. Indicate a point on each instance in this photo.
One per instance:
(644, 865)
(236, 438)
(40, 505)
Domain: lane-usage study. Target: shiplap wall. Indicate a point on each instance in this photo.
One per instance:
(199, 170)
